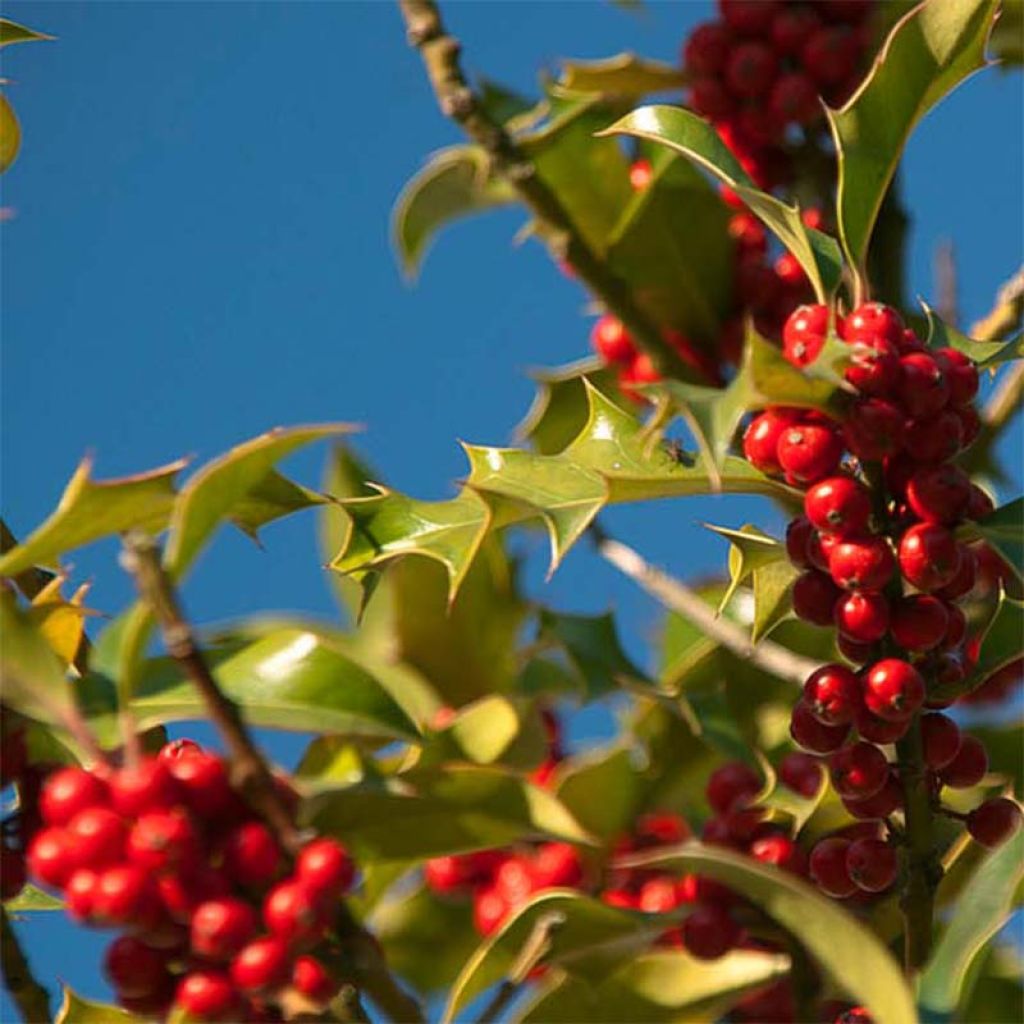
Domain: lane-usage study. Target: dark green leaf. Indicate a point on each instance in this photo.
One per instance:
(1004, 530)
(1007, 40)
(986, 354)
(625, 75)
(1000, 645)
(10, 134)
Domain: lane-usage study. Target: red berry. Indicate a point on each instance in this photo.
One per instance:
(874, 429)
(798, 533)
(875, 368)
(808, 452)
(707, 48)
(80, 893)
(263, 964)
(873, 322)
(956, 630)
(489, 910)
(923, 389)
(67, 792)
(994, 821)
(149, 786)
(803, 334)
(879, 730)
(864, 618)
(814, 597)
(761, 439)
(208, 996)
(163, 840)
(879, 805)
(640, 175)
(611, 341)
(658, 896)
(862, 564)
(294, 913)
(929, 556)
(828, 867)
(749, 17)
(179, 748)
(125, 894)
(557, 865)
(204, 784)
(859, 654)
(789, 271)
(858, 771)
(968, 766)
(781, 851)
(893, 689)
(961, 373)
(134, 969)
(819, 549)
(794, 99)
(919, 622)
(829, 55)
(731, 786)
(251, 854)
(838, 505)
(181, 894)
(832, 695)
(979, 505)
(750, 69)
(963, 582)
(51, 857)
(709, 932)
(791, 28)
(709, 97)
(800, 773)
(940, 737)
(749, 233)
(313, 980)
(934, 439)
(812, 735)
(325, 867)
(872, 864)
(99, 837)
(220, 928)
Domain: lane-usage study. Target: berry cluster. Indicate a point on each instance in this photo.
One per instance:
(213, 920)
(883, 567)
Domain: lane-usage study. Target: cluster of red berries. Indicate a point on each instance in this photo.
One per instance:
(883, 566)
(213, 919)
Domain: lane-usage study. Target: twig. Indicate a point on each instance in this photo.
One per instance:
(1005, 401)
(946, 285)
(678, 597)
(536, 947)
(1005, 315)
(32, 1000)
(440, 53)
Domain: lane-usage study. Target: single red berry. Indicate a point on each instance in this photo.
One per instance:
(934, 439)
(51, 856)
(794, 99)
(761, 439)
(69, 791)
(791, 273)
(970, 425)
(557, 865)
(874, 429)
(709, 97)
(979, 505)
(893, 689)
(749, 233)
(819, 549)
(658, 896)
(968, 766)
(659, 828)
(875, 367)
(964, 580)
(749, 17)
(994, 821)
(126, 895)
(879, 805)
(149, 786)
(827, 865)
(866, 564)
(294, 913)
(944, 669)
(313, 980)
(923, 389)
(940, 737)
(489, 910)
(79, 894)
(956, 630)
(859, 654)
(262, 964)
(832, 695)
(204, 784)
(791, 28)
(640, 174)
(929, 556)
(838, 504)
(639, 372)
(133, 968)
(164, 840)
(709, 932)
(803, 334)
(813, 735)
(864, 618)
(781, 851)
(208, 996)
(99, 837)
(918, 622)
(801, 773)
(871, 322)
(814, 597)
(961, 373)
(872, 864)
(809, 452)
(858, 771)
(220, 928)
(611, 341)
(251, 854)
(707, 48)
(830, 54)
(325, 867)
(181, 893)
(798, 533)
(179, 748)
(879, 730)
(731, 786)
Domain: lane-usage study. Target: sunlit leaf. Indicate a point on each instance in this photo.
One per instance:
(602, 789)
(32, 900)
(773, 597)
(12, 32)
(10, 134)
(928, 54)
(987, 354)
(625, 75)
(76, 1010)
(750, 548)
(491, 730)
(273, 497)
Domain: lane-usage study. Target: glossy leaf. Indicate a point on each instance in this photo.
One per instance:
(61, 623)
(985, 905)
(824, 928)
(987, 354)
(12, 32)
(773, 597)
(492, 730)
(76, 1010)
(1000, 643)
(434, 812)
(750, 548)
(10, 134)
(456, 182)
(602, 789)
(591, 940)
(271, 498)
(32, 900)
(695, 138)
(610, 461)
(929, 53)
(90, 509)
(625, 75)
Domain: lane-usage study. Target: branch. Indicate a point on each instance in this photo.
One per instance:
(678, 597)
(32, 1000)
(946, 284)
(440, 53)
(1005, 315)
(1005, 401)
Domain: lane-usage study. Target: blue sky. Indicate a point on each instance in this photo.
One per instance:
(200, 251)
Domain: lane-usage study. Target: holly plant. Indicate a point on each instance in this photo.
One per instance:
(809, 811)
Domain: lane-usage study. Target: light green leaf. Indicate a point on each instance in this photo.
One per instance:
(273, 497)
(90, 509)
(625, 75)
(32, 900)
(12, 32)
(872, 978)
(76, 1010)
(773, 597)
(750, 548)
(10, 134)
(695, 138)
(455, 183)
(491, 730)
(929, 53)
(435, 812)
(987, 354)
(592, 939)
(984, 907)
(602, 789)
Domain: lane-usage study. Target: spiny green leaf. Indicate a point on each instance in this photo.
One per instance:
(491, 730)
(929, 53)
(455, 183)
(773, 596)
(272, 498)
(10, 134)
(76, 1010)
(984, 907)
(90, 509)
(434, 812)
(1007, 39)
(823, 927)
(750, 548)
(602, 789)
(12, 32)
(612, 460)
(31, 900)
(625, 75)
(987, 354)
(695, 138)
(1004, 530)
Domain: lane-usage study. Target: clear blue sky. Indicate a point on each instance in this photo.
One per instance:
(201, 252)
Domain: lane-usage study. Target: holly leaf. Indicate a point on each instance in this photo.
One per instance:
(985, 905)
(90, 509)
(773, 597)
(928, 53)
(872, 978)
(696, 139)
(455, 183)
(12, 32)
(602, 789)
(1004, 531)
(750, 548)
(491, 730)
(76, 1010)
(624, 75)
(271, 498)
(32, 900)
(987, 354)
(1000, 645)
(10, 134)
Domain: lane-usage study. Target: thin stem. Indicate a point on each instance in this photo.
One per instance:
(1005, 314)
(32, 1000)
(457, 100)
(678, 597)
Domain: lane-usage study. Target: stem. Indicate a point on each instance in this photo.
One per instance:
(32, 1000)
(946, 283)
(1005, 401)
(1005, 314)
(457, 100)
(678, 597)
